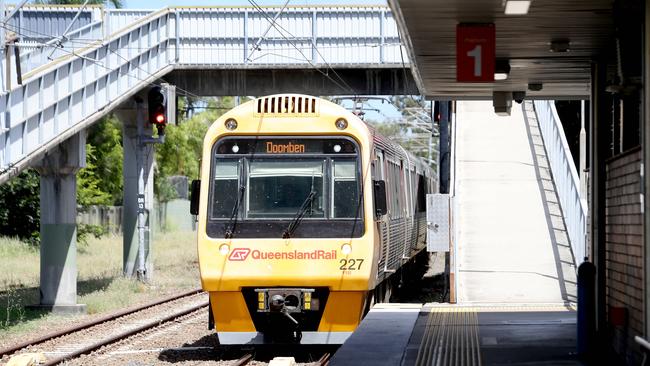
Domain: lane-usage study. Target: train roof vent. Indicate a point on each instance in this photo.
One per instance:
(287, 105)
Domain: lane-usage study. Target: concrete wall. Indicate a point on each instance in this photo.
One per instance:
(174, 216)
(109, 217)
(624, 251)
(169, 216)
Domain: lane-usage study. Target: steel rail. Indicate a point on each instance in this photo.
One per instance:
(109, 317)
(244, 360)
(123, 335)
(324, 360)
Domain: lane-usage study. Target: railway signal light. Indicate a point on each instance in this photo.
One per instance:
(162, 106)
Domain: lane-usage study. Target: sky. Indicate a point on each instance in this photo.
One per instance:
(155, 4)
(377, 111)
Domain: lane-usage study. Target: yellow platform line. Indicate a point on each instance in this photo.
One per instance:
(504, 308)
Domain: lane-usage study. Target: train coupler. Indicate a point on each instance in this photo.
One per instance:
(286, 301)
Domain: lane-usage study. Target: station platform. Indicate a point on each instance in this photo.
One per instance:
(468, 334)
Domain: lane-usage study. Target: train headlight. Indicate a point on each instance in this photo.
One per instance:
(224, 249)
(261, 300)
(230, 124)
(235, 149)
(341, 124)
(337, 148)
(306, 299)
(346, 249)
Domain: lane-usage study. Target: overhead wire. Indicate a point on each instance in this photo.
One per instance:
(315, 48)
(261, 10)
(281, 31)
(275, 25)
(82, 42)
(73, 53)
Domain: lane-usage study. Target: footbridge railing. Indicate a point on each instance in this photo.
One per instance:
(70, 82)
(565, 176)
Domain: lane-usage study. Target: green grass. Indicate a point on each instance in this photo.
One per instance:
(100, 283)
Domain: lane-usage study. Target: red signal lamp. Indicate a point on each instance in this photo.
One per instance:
(160, 119)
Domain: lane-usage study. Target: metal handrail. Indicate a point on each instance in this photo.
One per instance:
(565, 177)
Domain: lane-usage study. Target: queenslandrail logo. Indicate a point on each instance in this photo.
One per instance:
(240, 254)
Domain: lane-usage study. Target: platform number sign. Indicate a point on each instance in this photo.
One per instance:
(475, 53)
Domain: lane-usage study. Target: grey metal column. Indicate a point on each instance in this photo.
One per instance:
(130, 117)
(598, 153)
(645, 138)
(444, 146)
(58, 169)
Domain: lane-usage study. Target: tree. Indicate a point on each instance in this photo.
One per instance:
(89, 183)
(183, 147)
(20, 206)
(105, 142)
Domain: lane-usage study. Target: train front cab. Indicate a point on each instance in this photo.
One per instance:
(269, 279)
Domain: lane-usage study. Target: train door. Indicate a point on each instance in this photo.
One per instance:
(407, 209)
(381, 222)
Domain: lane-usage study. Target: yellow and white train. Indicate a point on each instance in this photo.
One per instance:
(306, 216)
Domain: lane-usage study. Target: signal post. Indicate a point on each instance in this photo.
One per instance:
(138, 138)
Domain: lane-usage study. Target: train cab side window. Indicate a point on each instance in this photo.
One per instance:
(345, 189)
(422, 198)
(224, 189)
(395, 189)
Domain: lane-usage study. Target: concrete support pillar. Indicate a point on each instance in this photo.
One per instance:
(130, 117)
(58, 169)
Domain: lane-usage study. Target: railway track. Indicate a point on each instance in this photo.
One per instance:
(81, 339)
(100, 340)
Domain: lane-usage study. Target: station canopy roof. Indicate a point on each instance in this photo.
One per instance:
(428, 28)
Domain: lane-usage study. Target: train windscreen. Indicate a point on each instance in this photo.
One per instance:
(260, 185)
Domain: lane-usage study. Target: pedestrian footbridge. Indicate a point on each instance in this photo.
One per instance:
(68, 67)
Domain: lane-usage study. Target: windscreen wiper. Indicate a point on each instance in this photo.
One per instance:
(299, 215)
(232, 223)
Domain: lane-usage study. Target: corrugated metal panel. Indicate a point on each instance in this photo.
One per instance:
(41, 24)
(320, 36)
(33, 57)
(116, 19)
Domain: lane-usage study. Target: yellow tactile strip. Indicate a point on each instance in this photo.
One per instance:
(505, 308)
(450, 338)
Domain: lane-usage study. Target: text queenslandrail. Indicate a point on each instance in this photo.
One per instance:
(295, 254)
(241, 254)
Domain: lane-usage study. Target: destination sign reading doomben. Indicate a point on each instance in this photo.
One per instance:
(279, 146)
(288, 148)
